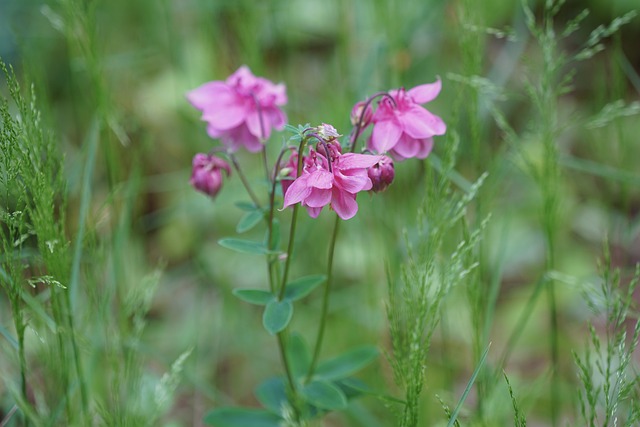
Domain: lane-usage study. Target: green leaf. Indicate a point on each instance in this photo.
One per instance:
(241, 417)
(272, 394)
(244, 246)
(347, 363)
(291, 129)
(249, 220)
(456, 411)
(298, 354)
(324, 395)
(246, 206)
(277, 315)
(254, 296)
(300, 288)
(353, 387)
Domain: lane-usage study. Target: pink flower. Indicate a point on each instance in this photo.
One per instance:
(337, 185)
(207, 173)
(404, 128)
(241, 111)
(357, 112)
(381, 174)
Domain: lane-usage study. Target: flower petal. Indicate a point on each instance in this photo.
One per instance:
(353, 182)
(425, 93)
(318, 198)
(357, 161)
(210, 94)
(385, 135)
(313, 212)
(344, 204)
(297, 191)
(406, 148)
(225, 116)
(420, 123)
(320, 179)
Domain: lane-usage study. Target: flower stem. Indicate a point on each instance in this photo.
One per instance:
(358, 129)
(287, 369)
(243, 178)
(292, 230)
(325, 300)
(272, 260)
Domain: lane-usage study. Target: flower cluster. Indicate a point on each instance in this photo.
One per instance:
(331, 178)
(402, 127)
(243, 110)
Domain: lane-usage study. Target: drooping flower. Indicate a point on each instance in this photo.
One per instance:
(381, 174)
(402, 127)
(207, 173)
(336, 184)
(359, 111)
(242, 110)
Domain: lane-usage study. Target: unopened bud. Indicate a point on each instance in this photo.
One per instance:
(357, 113)
(381, 174)
(206, 176)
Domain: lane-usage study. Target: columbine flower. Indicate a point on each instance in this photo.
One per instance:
(404, 128)
(207, 173)
(337, 184)
(356, 113)
(381, 174)
(241, 111)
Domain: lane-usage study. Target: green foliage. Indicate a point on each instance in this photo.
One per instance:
(431, 271)
(609, 393)
(277, 315)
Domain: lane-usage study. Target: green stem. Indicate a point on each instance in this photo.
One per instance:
(76, 360)
(325, 300)
(292, 230)
(243, 178)
(287, 369)
(273, 259)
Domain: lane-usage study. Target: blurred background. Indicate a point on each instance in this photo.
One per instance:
(132, 63)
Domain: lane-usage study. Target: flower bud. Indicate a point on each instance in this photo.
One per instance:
(381, 174)
(327, 132)
(206, 176)
(356, 113)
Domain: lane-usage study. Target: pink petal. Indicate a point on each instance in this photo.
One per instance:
(320, 179)
(313, 212)
(407, 147)
(420, 123)
(385, 135)
(344, 204)
(297, 191)
(426, 145)
(425, 93)
(256, 128)
(226, 116)
(318, 198)
(276, 118)
(210, 94)
(357, 161)
(240, 136)
(353, 183)
(214, 132)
